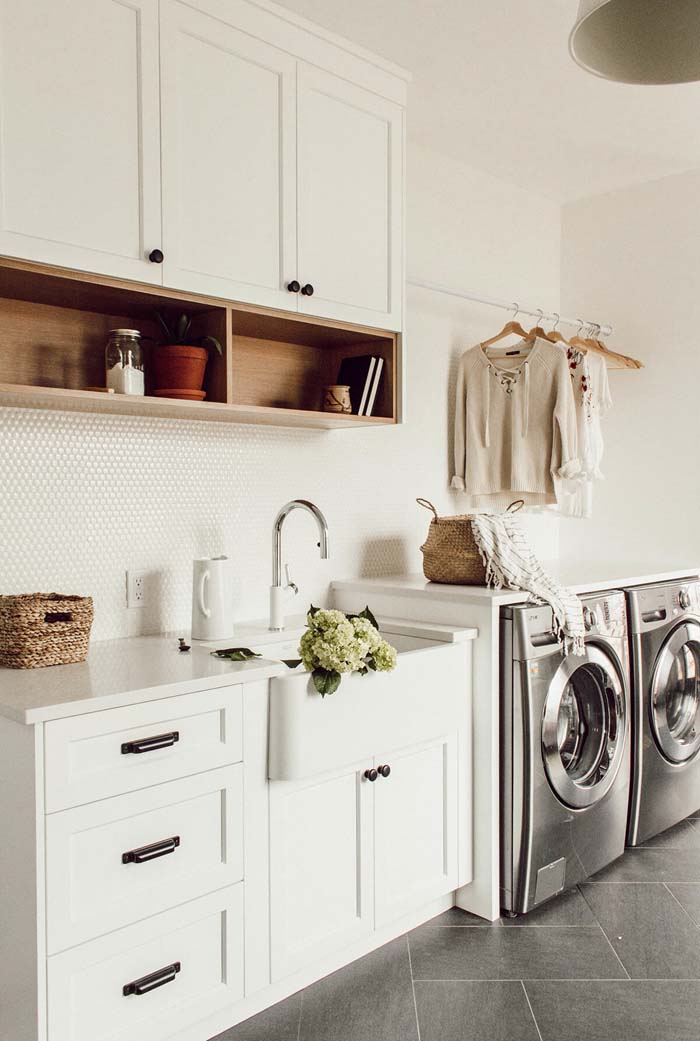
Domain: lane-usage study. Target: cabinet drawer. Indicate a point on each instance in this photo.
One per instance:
(101, 991)
(122, 749)
(114, 862)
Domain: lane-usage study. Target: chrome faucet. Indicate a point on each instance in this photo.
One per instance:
(280, 593)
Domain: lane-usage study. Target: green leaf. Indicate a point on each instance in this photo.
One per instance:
(210, 342)
(291, 663)
(164, 328)
(369, 616)
(326, 682)
(182, 328)
(312, 611)
(370, 663)
(236, 654)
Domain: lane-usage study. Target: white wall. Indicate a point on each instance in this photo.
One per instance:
(633, 258)
(83, 498)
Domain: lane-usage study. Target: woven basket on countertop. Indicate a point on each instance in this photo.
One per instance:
(38, 629)
(450, 552)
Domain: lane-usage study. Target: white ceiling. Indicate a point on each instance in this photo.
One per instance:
(494, 86)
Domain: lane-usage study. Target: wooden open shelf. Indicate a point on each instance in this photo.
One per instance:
(54, 325)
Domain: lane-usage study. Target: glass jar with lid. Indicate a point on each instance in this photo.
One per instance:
(124, 362)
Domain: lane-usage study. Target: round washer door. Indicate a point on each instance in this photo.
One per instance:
(674, 694)
(584, 728)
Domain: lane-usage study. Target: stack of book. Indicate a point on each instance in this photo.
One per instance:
(363, 375)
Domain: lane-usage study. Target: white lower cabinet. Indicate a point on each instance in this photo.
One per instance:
(321, 866)
(416, 827)
(153, 979)
(349, 853)
(156, 883)
(115, 862)
(120, 750)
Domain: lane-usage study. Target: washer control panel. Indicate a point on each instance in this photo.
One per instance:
(534, 632)
(653, 606)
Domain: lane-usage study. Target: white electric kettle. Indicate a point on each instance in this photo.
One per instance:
(212, 598)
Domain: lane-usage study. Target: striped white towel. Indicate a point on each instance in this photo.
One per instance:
(511, 564)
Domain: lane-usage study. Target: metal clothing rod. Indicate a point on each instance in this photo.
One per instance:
(582, 323)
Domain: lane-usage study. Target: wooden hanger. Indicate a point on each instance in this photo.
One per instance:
(612, 358)
(554, 336)
(615, 360)
(538, 330)
(577, 341)
(511, 328)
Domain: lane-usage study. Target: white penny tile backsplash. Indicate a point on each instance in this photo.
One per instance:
(84, 497)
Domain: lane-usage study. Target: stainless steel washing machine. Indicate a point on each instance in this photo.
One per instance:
(565, 750)
(664, 625)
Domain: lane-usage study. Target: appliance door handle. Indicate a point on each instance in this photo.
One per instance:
(151, 852)
(203, 585)
(150, 744)
(151, 982)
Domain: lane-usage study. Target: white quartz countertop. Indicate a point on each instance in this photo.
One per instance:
(579, 576)
(145, 668)
(122, 672)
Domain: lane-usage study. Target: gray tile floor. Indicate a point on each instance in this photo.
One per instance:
(617, 959)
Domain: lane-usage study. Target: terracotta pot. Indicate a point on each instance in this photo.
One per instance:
(179, 367)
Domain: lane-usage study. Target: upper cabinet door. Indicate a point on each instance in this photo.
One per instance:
(229, 160)
(80, 156)
(350, 170)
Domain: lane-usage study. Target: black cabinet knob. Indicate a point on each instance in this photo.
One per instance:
(307, 290)
(156, 256)
(293, 286)
(371, 775)
(384, 770)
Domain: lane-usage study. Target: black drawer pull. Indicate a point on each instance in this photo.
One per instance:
(150, 744)
(148, 983)
(152, 852)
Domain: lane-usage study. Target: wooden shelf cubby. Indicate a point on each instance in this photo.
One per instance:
(54, 325)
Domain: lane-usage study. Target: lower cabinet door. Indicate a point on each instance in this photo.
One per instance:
(416, 827)
(153, 979)
(118, 861)
(320, 866)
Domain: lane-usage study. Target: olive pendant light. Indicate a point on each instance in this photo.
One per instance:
(638, 41)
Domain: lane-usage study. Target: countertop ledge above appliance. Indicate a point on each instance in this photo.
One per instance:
(122, 672)
(579, 576)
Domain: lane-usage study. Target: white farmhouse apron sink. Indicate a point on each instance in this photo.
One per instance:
(423, 698)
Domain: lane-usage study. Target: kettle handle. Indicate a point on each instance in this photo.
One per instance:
(203, 581)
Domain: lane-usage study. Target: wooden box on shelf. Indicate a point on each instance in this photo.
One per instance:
(54, 325)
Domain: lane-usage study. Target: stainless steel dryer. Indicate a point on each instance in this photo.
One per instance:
(664, 624)
(565, 750)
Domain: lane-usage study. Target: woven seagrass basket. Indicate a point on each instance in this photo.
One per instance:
(450, 552)
(38, 629)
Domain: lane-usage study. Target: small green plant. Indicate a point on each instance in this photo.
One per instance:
(177, 333)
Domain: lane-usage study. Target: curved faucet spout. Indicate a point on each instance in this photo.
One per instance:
(295, 504)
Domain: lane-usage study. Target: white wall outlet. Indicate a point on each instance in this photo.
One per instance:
(136, 589)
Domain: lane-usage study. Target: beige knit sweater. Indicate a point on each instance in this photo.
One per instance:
(515, 427)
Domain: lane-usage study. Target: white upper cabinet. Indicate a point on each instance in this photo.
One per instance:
(221, 147)
(79, 112)
(229, 160)
(350, 156)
